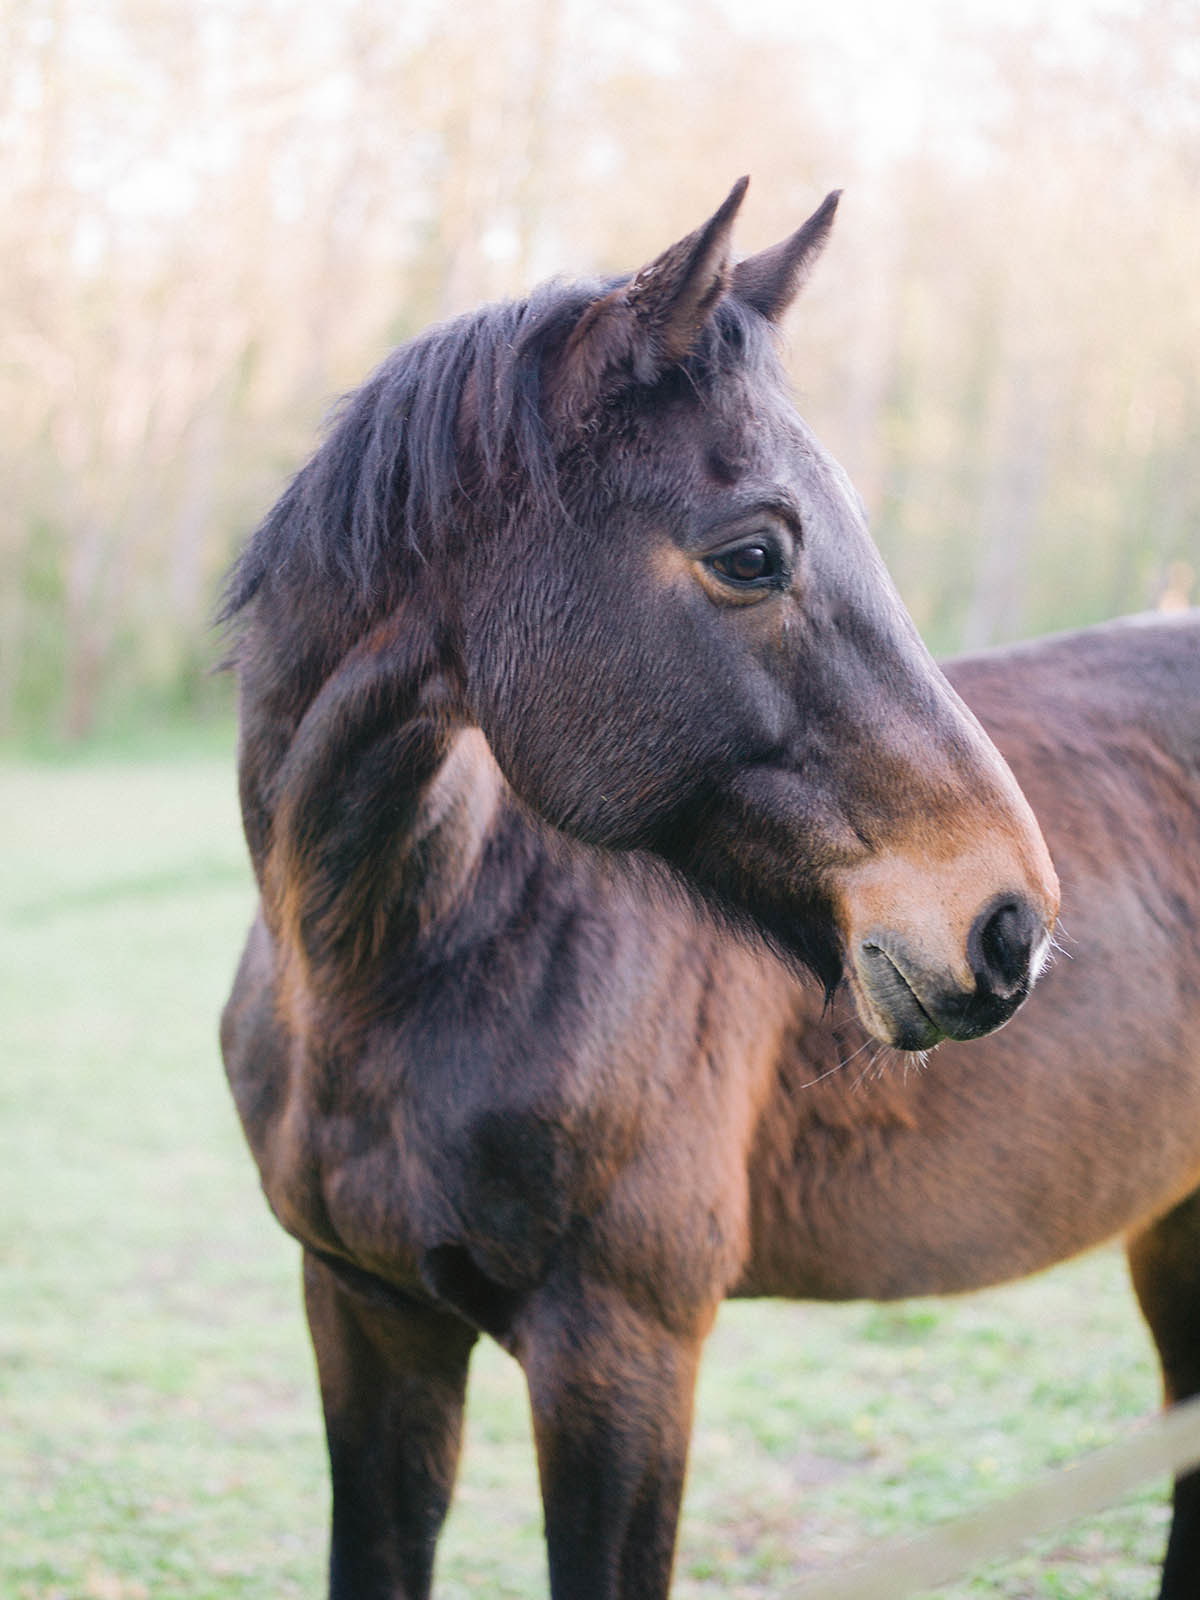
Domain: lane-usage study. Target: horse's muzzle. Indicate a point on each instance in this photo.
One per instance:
(916, 1006)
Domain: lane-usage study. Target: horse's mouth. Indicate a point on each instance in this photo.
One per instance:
(905, 1005)
(888, 1003)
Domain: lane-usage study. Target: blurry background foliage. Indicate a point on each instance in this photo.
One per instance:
(215, 215)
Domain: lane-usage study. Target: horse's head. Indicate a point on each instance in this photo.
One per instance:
(592, 524)
(679, 638)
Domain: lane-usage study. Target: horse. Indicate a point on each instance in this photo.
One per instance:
(571, 685)
(1080, 1122)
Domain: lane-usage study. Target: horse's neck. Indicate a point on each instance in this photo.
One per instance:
(452, 820)
(370, 807)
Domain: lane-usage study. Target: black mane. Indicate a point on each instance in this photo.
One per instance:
(402, 448)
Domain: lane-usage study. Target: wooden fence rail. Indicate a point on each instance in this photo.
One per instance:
(1169, 1444)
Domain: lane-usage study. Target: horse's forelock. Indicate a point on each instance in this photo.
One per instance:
(438, 420)
(439, 425)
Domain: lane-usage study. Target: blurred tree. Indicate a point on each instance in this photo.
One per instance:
(213, 217)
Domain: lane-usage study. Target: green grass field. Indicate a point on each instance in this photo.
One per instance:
(159, 1431)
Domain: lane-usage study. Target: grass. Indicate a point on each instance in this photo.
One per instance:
(159, 1431)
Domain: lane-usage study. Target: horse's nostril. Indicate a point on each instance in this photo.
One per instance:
(1001, 945)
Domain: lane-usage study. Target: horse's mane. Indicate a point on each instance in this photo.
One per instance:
(402, 448)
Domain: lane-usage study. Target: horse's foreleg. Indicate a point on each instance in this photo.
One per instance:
(611, 1392)
(1165, 1264)
(393, 1381)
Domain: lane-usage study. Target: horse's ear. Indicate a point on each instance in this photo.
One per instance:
(771, 280)
(653, 322)
(676, 294)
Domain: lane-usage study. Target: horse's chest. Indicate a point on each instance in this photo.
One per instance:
(508, 1143)
(472, 1135)
(600, 1110)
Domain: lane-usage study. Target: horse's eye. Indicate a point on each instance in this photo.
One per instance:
(754, 563)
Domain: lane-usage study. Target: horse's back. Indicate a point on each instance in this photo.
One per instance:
(1102, 728)
(1081, 1118)
(1136, 676)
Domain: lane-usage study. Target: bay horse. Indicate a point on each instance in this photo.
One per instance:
(1079, 1122)
(570, 683)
